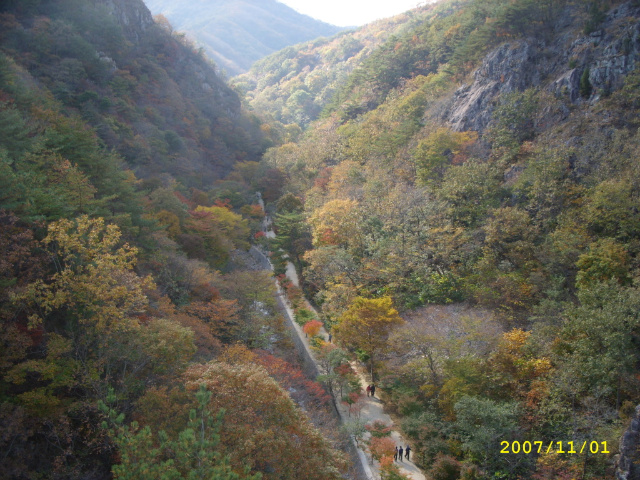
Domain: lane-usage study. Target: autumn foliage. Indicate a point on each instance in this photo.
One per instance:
(476, 247)
(291, 378)
(367, 324)
(381, 447)
(378, 429)
(312, 328)
(262, 425)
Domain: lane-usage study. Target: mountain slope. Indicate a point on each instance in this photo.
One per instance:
(294, 84)
(148, 94)
(236, 33)
(487, 158)
(116, 276)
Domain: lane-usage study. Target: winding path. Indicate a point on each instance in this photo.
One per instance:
(372, 408)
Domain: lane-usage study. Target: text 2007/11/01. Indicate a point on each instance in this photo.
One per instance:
(569, 447)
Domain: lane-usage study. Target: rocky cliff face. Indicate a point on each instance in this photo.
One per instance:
(628, 462)
(557, 66)
(509, 67)
(609, 53)
(133, 15)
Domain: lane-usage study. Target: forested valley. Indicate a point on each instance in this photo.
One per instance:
(457, 188)
(137, 341)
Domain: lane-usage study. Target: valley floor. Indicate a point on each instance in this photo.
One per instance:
(369, 409)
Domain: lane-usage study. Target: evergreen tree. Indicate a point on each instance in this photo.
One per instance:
(192, 455)
(585, 84)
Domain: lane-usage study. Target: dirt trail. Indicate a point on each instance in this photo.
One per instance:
(372, 409)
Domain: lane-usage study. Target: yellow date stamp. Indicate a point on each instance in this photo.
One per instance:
(569, 447)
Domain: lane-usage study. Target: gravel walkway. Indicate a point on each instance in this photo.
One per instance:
(372, 409)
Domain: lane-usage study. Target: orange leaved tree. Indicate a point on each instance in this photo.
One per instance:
(381, 447)
(312, 328)
(262, 427)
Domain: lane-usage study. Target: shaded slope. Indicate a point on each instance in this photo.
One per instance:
(148, 94)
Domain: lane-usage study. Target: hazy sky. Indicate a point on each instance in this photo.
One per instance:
(351, 12)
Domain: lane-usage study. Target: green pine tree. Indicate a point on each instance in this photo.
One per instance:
(194, 455)
(585, 84)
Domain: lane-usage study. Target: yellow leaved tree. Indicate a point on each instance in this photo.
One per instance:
(92, 313)
(94, 279)
(230, 224)
(366, 325)
(337, 223)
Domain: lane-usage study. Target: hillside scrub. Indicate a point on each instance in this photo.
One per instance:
(469, 181)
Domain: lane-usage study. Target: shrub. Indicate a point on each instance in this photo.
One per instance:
(379, 429)
(585, 84)
(445, 467)
(303, 316)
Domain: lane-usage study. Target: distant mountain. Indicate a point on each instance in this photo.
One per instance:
(236, 33)
(296, 83)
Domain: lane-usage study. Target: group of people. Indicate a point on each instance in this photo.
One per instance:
(371, 390)
(399, 451)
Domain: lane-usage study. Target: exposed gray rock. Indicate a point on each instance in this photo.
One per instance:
(609, 53)
(133, 16)
(628, 462)
(567, 85)
(552, 115)
(618, 58)
(108, 61)
(508, 68)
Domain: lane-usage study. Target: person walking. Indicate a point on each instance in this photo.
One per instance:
(373, 390)
(400, 453)
(368, 390)
(395, 455)
(407, 451)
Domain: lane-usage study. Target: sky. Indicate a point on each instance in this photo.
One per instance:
(347, 13)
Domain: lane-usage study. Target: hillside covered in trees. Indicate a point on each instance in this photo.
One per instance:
(294, 84)
(480, 169)
(136, 339)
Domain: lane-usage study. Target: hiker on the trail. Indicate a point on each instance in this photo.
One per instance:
(329, 338)
(373, 390)
(395, 455)
(400, 453)
(368, 390)
(407, 451)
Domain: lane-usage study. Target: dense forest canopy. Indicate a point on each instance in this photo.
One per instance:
(480, 168)
(127, 206)
(295, 84)
(149, 95)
